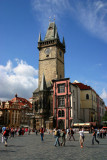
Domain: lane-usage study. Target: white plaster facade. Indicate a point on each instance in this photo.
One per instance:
(75, 103)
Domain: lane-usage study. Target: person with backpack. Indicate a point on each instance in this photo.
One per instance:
(94, 137)
(56, 136)
(6, 134)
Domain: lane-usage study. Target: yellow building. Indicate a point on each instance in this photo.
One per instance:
(88, 103)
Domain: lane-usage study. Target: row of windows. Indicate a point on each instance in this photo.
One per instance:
(93, 98)
(61, 99)
(61, 89)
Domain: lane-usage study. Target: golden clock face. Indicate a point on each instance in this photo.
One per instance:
(47, 51)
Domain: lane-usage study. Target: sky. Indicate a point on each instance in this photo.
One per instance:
(83, 23)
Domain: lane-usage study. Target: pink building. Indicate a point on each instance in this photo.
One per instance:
(61, 103)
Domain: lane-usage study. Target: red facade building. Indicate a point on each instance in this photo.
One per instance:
(61, 103)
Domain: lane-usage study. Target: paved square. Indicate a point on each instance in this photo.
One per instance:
(30, 147)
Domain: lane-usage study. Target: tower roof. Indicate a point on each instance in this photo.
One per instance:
(51, 38)
(52, 32)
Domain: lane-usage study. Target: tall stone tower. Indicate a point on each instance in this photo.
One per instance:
(51, 55)
(51, 66)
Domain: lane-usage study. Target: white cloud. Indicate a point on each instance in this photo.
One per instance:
(21, 79)
(104, 94)
(91, 14)
(49, 8)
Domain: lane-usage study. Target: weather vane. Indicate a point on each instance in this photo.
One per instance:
(54, 17)
(50, 19)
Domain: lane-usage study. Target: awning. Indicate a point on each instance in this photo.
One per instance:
(81, 124)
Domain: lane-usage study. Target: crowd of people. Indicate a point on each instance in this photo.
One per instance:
(12, 132)
(60, 135)
(101, 133)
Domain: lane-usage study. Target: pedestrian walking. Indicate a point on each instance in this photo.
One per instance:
(56, 136)
(62, 135)
(6, 134)
(42, 133)
(2, 139)
(81, 139)
(98, 133)
(29, 131)
(67, 133)
(71, 134)
(94, 137)
(36, 131)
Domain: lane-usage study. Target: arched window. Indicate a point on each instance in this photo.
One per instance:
(87, 96)
(63, 113)
(59, 113)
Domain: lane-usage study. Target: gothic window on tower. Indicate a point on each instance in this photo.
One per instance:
(60, 53)
(60, 76)
(61, 101)
(61, 88)
(50, 28)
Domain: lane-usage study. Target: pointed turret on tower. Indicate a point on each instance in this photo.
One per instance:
(39, 39)
(63, 41)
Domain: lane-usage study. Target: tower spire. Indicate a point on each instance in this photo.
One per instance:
(63, 41)
(39, 39)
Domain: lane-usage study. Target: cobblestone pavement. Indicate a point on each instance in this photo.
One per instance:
(30, 147)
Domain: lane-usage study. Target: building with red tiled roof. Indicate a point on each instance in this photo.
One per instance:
(92, 106)
(14, 112)
(83, 86)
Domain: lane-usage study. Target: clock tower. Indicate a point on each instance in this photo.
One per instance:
(51, 66)
(51, 56)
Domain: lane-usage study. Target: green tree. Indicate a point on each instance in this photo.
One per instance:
(105, 117)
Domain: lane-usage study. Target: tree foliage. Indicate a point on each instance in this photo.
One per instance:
(105, 117)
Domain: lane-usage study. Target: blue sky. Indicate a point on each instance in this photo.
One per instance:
(83, 23)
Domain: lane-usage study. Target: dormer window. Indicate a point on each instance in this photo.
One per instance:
(50, 28)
